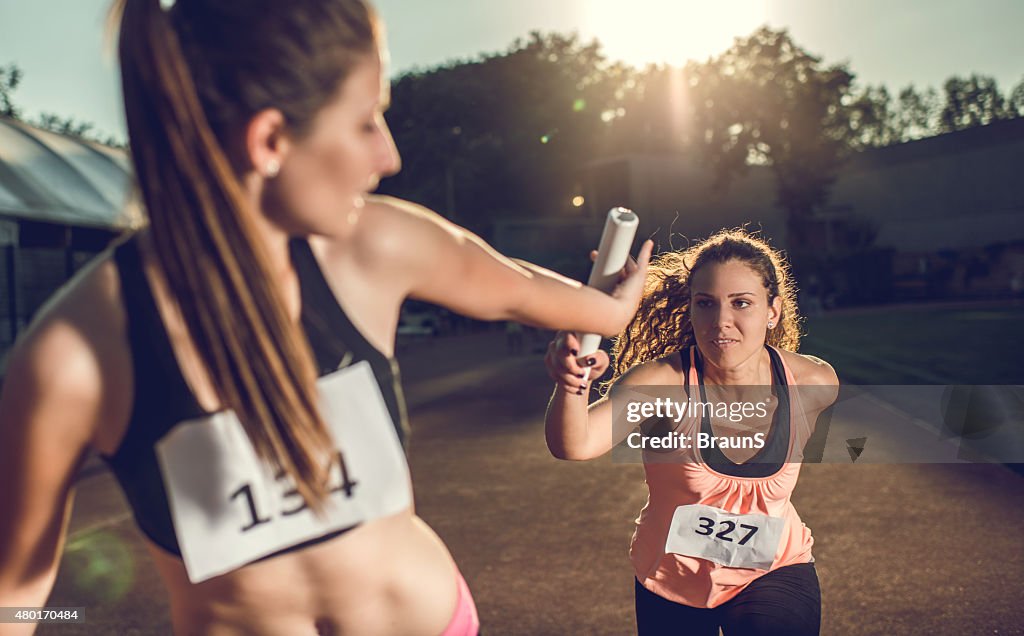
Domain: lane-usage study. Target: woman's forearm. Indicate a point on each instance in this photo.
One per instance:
(566, 425)
(557, 302)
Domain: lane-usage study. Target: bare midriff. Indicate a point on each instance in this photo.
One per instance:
(389, 576)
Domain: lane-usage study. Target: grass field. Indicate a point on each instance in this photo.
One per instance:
(938, 344)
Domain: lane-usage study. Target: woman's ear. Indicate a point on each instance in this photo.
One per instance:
(266, 143)
(775, 312)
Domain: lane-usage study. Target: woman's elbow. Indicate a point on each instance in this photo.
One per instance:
(564, 453)
(558, 453)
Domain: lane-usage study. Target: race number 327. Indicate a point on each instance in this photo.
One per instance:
(707, 528)
(727, 538)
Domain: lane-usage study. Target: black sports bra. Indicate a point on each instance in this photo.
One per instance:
(162, 399)
(769, 459)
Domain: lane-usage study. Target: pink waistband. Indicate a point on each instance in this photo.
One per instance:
(465, 621)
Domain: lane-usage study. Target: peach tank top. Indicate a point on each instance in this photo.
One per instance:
(695, 478)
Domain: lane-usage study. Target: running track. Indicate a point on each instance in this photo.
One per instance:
(900, 549)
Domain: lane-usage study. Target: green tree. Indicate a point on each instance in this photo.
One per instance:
(1015, 101)
(10, 77)
(504, 134)
(63, 125)
(873, 121)
(76, 128)
(917, 113)
(970, 102)
(768, 101)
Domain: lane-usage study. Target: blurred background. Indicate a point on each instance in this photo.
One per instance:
(895, 191)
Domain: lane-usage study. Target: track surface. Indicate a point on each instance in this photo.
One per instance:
(900, 549)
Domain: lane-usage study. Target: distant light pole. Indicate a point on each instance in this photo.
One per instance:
(449, 189)
(449, 172)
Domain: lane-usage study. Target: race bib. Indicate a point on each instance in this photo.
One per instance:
(736, 541)
(230, 509)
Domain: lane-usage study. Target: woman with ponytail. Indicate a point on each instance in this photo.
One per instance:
(709, 372)
(233, 361)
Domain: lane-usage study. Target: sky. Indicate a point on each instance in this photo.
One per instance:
(68, 69)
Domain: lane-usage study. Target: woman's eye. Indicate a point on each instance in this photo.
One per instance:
(742, 304)
(376, 121)
(704, 303)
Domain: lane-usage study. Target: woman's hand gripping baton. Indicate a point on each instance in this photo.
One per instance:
(612, 253)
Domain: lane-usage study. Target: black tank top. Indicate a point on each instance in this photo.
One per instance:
(162, 399)
(770, 458)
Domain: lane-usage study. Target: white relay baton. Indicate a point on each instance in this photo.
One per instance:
(616, 239)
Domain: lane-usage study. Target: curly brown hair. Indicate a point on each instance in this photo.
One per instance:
(662, 323)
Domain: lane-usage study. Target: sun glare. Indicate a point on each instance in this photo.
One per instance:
(640, 32)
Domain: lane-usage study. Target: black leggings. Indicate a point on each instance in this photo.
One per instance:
(785, 601)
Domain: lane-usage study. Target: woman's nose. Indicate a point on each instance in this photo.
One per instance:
(723, 317)
(390, 162)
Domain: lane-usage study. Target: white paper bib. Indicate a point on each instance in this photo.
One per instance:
(229, 509)
(733, 540)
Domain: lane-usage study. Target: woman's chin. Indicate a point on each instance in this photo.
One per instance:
(725, 355)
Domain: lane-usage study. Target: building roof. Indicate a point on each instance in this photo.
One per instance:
(46, 176)
(997, 133)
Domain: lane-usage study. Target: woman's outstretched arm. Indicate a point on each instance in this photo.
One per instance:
(576, 431)
(440, 262)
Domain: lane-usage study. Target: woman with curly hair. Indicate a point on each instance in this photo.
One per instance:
(719, 543)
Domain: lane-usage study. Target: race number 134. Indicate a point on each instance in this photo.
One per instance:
(344, 484)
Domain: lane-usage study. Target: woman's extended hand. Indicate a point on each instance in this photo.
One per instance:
(631, 283)
(566, 369)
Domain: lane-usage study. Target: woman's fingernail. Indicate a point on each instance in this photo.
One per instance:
(591, 362)
(579, 375)
(574, 352)
(583, 387)
(580, 392)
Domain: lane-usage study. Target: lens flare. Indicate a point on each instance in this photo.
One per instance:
(669, 31)
(100, 567)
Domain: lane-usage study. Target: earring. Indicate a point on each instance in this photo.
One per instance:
(771, 324)
(272, 168)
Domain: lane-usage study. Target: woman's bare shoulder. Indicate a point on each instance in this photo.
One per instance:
(62, 394)
(74, 352)
(816, 380)
(810, 370)
(383, 234)
(390, 228)
(393, 243)
(666, 370)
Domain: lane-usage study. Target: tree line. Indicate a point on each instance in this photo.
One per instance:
(11, 76)
(507, 134)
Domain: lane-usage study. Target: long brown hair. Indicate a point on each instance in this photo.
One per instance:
(662, 324)
(192, 78)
